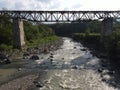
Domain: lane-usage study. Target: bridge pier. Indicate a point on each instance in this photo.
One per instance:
(107, 27)
(18, 32)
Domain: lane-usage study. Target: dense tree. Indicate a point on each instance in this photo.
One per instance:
(65, 29)
(5, 30)
(33, 33)
(37, 32)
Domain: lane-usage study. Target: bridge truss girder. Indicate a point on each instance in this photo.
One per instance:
(61, 16)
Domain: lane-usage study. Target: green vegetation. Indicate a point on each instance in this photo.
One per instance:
(6, 34)
(85, 37)
(67, 29)
(110, 45)
(84, 31)
(88, 32)
(38, 34)
(34, 34)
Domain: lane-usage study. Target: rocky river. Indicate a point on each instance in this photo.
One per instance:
(71, 67)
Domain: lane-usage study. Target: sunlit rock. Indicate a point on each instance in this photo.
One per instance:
(19, 69)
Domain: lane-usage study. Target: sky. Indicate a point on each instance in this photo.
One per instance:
(60, 5)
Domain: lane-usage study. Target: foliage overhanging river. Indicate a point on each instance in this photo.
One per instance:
(72, 68)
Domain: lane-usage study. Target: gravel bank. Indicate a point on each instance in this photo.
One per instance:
(25, 81)
(22, 83)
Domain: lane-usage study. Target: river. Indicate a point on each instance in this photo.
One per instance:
(72, 67)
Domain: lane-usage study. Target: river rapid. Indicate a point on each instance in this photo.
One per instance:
(71, 67)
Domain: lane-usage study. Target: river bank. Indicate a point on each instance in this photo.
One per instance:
(21, 83)
(35, 49)
(110, 66)
(17, 71)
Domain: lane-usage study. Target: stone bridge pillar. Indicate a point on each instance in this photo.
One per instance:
(107, 27)
(18, 32)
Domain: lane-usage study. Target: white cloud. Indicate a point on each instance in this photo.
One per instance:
(60, 4)
(101, 5)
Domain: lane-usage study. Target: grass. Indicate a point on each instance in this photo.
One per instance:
(42, 41)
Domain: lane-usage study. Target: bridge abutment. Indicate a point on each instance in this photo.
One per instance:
(18, 32)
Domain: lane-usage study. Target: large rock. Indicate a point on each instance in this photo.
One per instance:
(75, 67)
(74, 47)
(106, 78)
(34, 57)
(83, 49)
(100, 70)
(26, 55)
(38, 84)
(4, 59)
(51, 56)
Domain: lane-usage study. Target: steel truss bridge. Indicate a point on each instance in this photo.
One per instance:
(60, 16)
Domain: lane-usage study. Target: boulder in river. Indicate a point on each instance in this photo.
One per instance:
(100, 70)
(106, 77)
(34, 57)
(83, 49)
(42, 57)
(4, 59)
(38, 84)
(51, 56)
(73, 53)
(75, 47)
(19, 69)
(74, 67)
(26, 55)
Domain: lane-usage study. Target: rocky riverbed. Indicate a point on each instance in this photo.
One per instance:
(71, 67)
(16, 68)
(21, 83)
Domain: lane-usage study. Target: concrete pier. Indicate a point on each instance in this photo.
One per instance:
(18, 32)
(107, 27)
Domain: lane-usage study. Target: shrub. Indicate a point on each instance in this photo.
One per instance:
(91, 37)
(5, 47)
